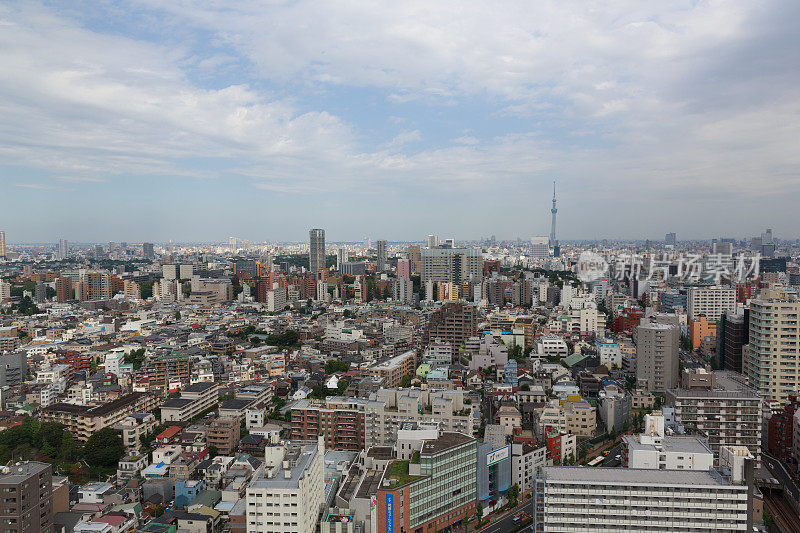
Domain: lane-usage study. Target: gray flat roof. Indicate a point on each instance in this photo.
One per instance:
(303, 455)
(670, 444)
(631, 476)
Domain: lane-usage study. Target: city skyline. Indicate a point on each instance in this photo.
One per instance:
(668, 117)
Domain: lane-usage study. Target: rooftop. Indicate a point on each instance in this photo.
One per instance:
(631, 476)
(670, 444)
(445, 441)
(19, 473)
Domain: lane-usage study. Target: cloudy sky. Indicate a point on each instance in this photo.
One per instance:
(198, 120)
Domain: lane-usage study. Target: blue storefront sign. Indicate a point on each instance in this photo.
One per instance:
(389, 513)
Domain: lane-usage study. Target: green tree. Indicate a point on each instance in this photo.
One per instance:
(479, 513)
(104, 448)
(177, 315)
(512, 494)
(336, 365)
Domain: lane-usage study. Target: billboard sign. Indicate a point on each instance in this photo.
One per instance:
(494, 457)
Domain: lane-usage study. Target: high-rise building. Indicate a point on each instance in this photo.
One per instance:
(415, 260)
(539, 247)
(433, 241)
(316, 250)
(723, 408)
(5, 290)
(710, 301)
(770, 359)
(27, 498)
(2, 244)
(657, 357)
(452, 265)
(453, 323)
(670, 239)
(403, 269)
(341, 257)
(291, 473)
(63, 249)
(732, 335)
(381, 243)
(63, 289)
(148, 251)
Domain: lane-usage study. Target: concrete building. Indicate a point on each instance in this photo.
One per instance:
(643, 500)
(710, 301)
(395, 368)
(727, 412)
(434, 494)
(614, 407)
(13, 368)
(657, 357)
(733, 333)
(194, 399)
(451, 265)
(355, 423)
(415, 260)
(63, 249)
(454, 323)
(27, 498)
(654, 449)
(133, 427)
(526, 465)
(223, 434)
(770, 359)
(316, 250)
(83, 420)
(286, 493)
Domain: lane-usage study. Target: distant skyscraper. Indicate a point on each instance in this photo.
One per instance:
(553, 211)
(381, 255)
(316, 249)
(670, 239)
(147, 250)
(63, 248)
(433, 241)
(341, 257)
(2, 244)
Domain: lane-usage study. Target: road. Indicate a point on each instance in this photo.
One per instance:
(506, 522)
(778, 469)
(611, 459)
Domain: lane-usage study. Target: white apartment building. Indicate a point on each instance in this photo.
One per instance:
(194, 399)
(710, 301)
(657, 357)
(550, 346)
(438, 353)
(526, 464)
(578, 498)
(771, 359)
(114, 361)
(727, 412)
(655, 450)
(609, 353)
(169, 272)
(286, 493)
